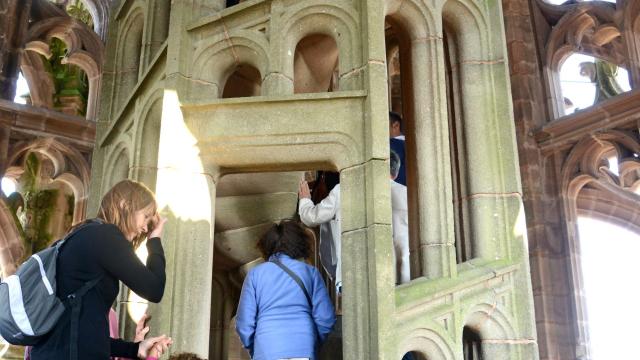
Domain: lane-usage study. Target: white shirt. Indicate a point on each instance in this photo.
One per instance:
(327, 214)
(400, 229)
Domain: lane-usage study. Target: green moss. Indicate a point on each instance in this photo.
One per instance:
(31, 171)
(69, 80)
(39, 209)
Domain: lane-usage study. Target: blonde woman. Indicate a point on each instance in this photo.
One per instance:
(97, 257)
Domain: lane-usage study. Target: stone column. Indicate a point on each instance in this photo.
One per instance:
(547, 249)
(430, 143)
(14, 17)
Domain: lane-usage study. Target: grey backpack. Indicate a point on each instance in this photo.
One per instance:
(29, 305)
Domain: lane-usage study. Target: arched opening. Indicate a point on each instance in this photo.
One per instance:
(23, 94)
(245, 81)
(129, 56)
(586, 80)
(471, 345)
(608, 256)
(79, 10)
(315, 65)
(402, 139)
(8, 186)
(413, 355)
(246, 206)
(457, 143)
(71, 83)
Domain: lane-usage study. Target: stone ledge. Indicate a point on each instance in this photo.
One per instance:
(43, 122)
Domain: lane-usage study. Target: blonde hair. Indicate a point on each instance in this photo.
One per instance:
(120, 204)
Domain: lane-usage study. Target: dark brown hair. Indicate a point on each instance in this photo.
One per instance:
(286, 237)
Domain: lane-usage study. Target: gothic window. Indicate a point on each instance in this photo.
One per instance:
(608, 271)
(586, 80)
(315, 65)
(22, 91)
(245, 81)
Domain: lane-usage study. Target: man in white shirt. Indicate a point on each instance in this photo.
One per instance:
(326, 214)
(399, 222)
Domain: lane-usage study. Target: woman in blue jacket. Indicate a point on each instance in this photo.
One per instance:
(275, 320)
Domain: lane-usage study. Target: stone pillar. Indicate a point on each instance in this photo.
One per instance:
(14, 17)
(430, 144)
(368, 270)
(186, 194)
(547, 249)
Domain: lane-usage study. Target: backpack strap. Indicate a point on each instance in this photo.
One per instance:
(75, 230)
(295, 278)
(75, 303)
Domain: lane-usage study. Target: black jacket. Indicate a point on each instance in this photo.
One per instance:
(100, 250)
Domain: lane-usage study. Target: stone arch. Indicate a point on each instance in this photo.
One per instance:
(40, 82)
(69, 166)
(245, 81)
(494, 329)
(468, 22)
(340, 23)
(117, 165)
(129, 52)
(99, 10)
(148, 138)
(84, 50)
(316, 65)
(591, 189)
(631, 30)
(217, 59)
(590, 29)
(64, 157)
(427, 343)
(416, 19)
(490, 322)
(584, 170)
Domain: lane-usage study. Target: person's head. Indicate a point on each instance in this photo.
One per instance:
(130, 206)
(286, 237)
(185, 356)
(394, 165)
(395, 124)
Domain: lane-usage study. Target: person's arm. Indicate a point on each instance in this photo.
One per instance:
(116, 255)
(314, 215)
(323, 312)
(246, 317)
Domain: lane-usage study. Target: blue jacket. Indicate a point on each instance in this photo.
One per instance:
(274, 320)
